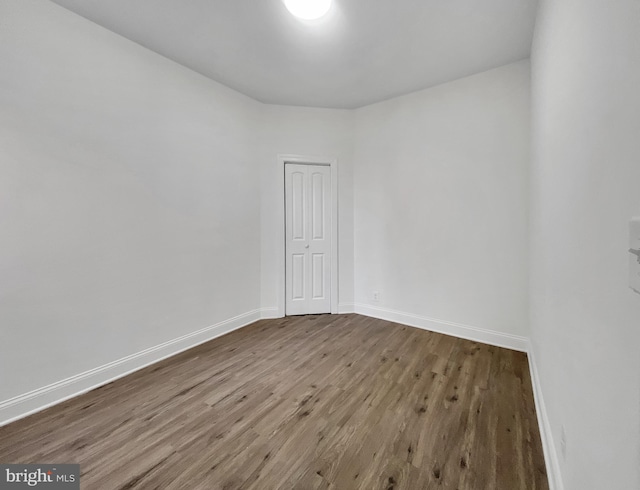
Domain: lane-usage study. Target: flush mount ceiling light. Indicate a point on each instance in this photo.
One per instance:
(308, 9)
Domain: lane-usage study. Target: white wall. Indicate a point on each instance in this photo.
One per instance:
(304, 131)
(129, 198)
(585, 320)
(441, 201)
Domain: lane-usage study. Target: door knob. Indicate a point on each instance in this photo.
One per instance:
(306, 246)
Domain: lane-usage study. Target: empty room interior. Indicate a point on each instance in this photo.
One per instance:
(320, 244)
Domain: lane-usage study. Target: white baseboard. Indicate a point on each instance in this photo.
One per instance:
(34, 401)
(552, 462)
(344, 308)
(468, 332)
(270, 313)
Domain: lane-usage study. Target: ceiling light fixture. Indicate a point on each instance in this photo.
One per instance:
(308, 9)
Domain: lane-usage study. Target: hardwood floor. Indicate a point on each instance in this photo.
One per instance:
(317, 402)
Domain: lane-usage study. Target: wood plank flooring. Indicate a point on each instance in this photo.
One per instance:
(315, 402)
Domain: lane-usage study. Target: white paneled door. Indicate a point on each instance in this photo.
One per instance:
(308, 239)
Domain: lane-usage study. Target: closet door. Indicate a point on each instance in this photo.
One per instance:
(308, 239)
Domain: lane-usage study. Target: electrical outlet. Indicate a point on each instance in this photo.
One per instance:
(634, 255)
(563, 443)
(376, 296)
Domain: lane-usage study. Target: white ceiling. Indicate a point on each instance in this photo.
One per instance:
(363, 51)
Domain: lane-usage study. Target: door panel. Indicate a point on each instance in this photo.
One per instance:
(298, 276)
(317, 278)
(299, 205)
(308, 240)
(317, 205)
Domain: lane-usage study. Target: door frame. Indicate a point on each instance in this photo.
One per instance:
(283, 159)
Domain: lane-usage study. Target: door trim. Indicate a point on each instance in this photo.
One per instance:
(283, 159)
